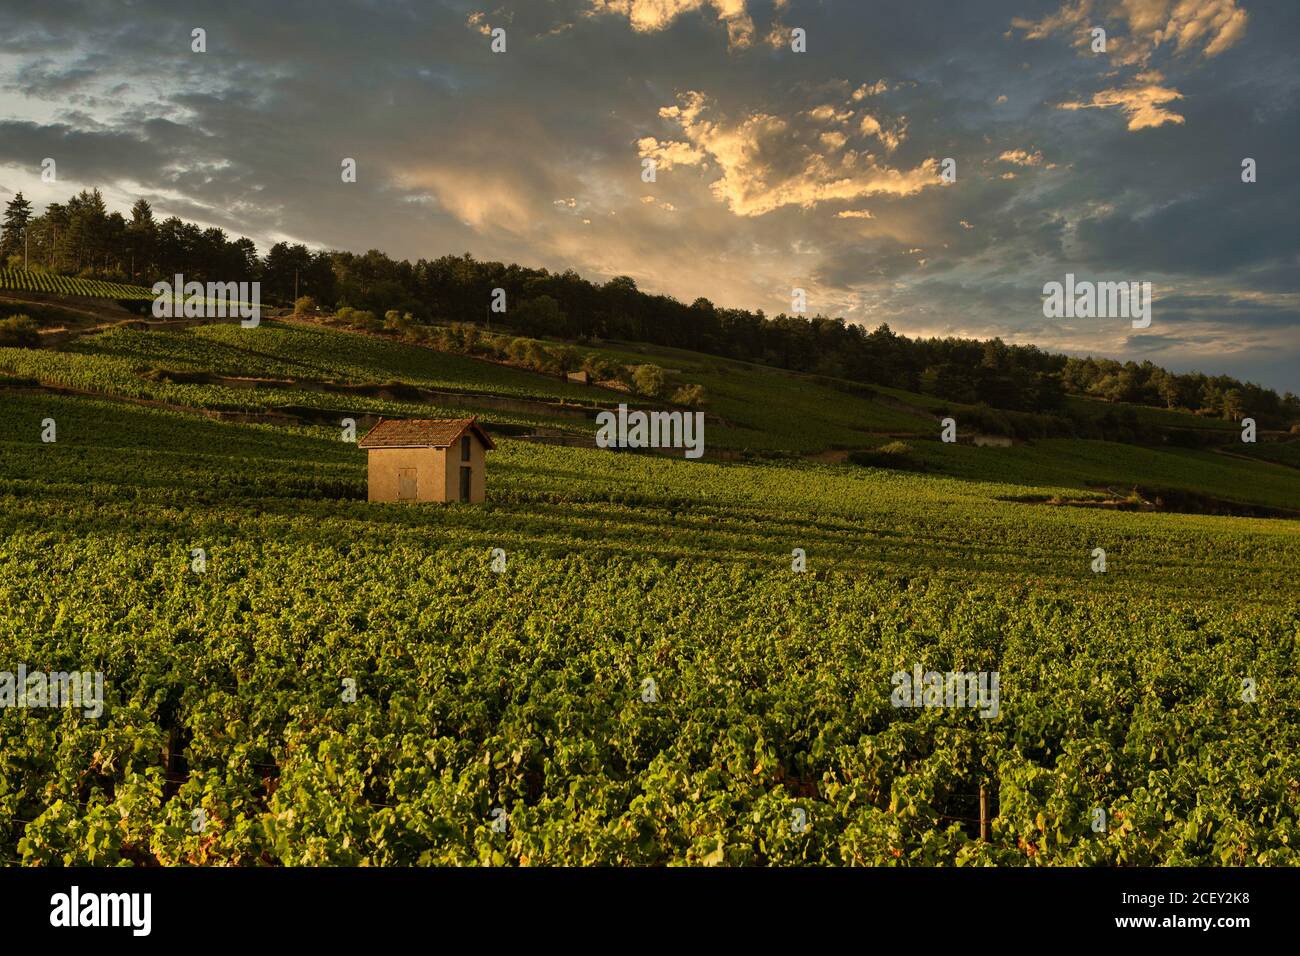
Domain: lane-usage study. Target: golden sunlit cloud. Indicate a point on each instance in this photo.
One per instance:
(1213, 26)
(1022, 157)
(1216, 24)
(830, 112)
(870, 126)
(866, 90)
(768, 161)
(668, 155)
(1069, 17)
(478, 198)
(649, 16)
(1143, 103)
(651, 201)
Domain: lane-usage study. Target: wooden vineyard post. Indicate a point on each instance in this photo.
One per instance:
(984, 813)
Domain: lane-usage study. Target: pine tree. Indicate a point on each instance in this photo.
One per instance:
(18, 213)
(141, 238)
(94, 225)
(56, 226)
(142, 214)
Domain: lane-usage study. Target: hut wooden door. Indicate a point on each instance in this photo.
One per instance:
(406, 487)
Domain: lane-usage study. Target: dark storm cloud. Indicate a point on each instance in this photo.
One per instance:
(86, 155)
(44, 78)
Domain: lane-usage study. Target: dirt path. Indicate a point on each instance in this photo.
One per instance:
(56, 337)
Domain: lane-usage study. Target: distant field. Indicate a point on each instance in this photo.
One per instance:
(763, 409)
(1162, 417)
(21, 280)
(1283, 453)
(136, 365)
(123, 377)
(1073, 463)
(311, 353)
(768, 409)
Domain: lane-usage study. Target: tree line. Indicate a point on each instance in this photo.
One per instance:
(80, 237)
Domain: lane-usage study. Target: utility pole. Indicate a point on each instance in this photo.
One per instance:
(295, 287)
(27, 244)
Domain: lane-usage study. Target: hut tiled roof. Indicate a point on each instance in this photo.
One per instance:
(421, 433)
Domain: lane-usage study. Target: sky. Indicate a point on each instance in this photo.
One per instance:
(775, 169)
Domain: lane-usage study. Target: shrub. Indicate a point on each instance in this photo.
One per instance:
(517, 350)
(470, 336)
(19, 331)
(540, 359)
(303, 305)
(895, 454)
(359, 319)
(566, 356)
(649, 380)
(362, 319)
(603, 370)
(439, 336)
(692, 396)
(986, 420)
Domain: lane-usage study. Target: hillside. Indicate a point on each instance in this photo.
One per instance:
(288, 371)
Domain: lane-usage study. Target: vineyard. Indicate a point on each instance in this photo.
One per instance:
(856, 443)
(321, 375)
(49, 282)
(769, 410)
(1111, 464)
(110, 375)
(313, 353)
(504, 717)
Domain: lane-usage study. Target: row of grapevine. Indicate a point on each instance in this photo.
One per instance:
(49, 282)
(114, 376)
(522, 696)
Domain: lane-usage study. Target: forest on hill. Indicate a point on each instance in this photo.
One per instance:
(81, 238)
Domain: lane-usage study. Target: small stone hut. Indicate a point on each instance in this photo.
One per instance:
(440, 459)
